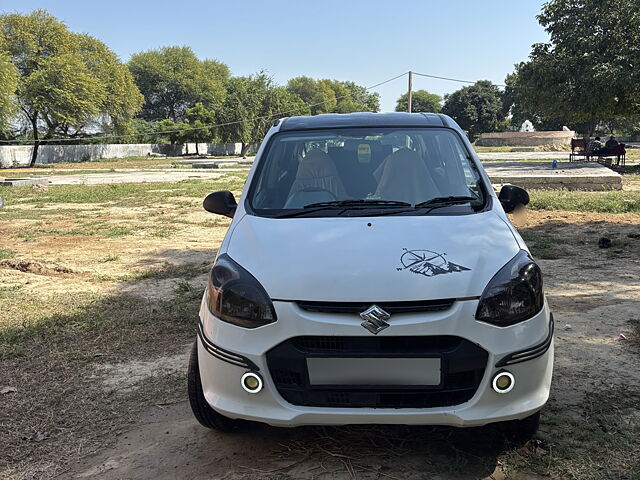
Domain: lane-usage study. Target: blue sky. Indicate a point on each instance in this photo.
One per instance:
(366, 41)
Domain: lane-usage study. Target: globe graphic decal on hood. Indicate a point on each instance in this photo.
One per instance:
(428, 263)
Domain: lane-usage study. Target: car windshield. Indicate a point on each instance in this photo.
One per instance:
(373, 171)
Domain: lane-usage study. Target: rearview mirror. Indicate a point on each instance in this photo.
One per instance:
(512, 196)
(222, 203)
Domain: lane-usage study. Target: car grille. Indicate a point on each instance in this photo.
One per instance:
(389, 307)
(462, 363)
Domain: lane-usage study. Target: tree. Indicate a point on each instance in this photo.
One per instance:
(513, 107)
(588, 71)
(252, 104)
(477, 108)
(198, 117)
(333, 96)
(363, 100)
(421, 101)
(8, 86)
(65, 81)
(173, 79)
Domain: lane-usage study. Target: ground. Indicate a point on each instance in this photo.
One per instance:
(100, 286)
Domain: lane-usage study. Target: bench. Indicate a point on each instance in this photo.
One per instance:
(579, 149)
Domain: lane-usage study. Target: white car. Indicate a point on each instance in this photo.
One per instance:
(371, 275)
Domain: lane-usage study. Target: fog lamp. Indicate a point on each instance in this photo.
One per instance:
(503, 382)
(251, 382)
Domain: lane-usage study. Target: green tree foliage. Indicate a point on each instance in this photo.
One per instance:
(199, 120)
(173, 79)
(8, 86)
(363, 100)
(65, 80)
(513, 107)
(588, 71)
(333, 96)
(477, 108)
(421, 101)
(252, 104)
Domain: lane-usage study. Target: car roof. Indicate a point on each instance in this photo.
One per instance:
(365, 119)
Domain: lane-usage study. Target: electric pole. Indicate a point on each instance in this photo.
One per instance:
(410, 93)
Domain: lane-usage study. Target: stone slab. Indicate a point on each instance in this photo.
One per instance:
(207, 165)
(523, 155)
(23, 182)
(568, 176)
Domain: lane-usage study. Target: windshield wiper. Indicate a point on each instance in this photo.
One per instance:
(451, 200)
(341, 205)
(359, 203)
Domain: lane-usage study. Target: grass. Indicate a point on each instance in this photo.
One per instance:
(19, 174)
(53, 348)
(547, 247)
(617, 201)
(6, 253)
(114, 232)
(27, 318)
(600, 441)
(184, 271)
(103, 164)
(630, 172)
(126, 194)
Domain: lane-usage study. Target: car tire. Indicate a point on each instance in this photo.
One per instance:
(520, 431)
(206, 416)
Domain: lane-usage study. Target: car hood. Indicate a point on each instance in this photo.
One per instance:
(373, 259)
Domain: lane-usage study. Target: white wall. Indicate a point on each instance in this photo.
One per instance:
(19, 155)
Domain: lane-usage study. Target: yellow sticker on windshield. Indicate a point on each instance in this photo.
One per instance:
(364, 153)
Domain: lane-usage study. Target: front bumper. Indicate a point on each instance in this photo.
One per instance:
(221, 378)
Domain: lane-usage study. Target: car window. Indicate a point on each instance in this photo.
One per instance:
(413, 166)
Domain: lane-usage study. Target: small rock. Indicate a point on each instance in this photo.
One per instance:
(36, 437)
(622, 336)
(7, 389)
(604, 242)
(568, 326)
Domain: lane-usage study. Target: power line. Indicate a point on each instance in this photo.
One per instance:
(451, 79)
(191, 129)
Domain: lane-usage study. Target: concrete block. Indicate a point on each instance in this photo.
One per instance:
(23, 182)
(213, 164)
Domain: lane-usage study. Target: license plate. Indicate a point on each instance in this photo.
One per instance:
(374, 371)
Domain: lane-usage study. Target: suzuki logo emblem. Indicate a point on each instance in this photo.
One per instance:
(375, 319)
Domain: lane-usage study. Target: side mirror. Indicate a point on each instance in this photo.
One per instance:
(512, 196)
(222, 203)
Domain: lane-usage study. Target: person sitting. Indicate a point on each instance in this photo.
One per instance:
(612, 142)
(595, 147)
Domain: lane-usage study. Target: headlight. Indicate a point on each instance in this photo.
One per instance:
(235, 296)
(514, 293)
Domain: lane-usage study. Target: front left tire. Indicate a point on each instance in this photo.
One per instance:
(206, 416)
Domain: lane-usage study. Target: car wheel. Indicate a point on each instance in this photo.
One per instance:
(206, 415)
(520, 431)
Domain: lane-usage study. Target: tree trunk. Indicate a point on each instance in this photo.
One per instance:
(36, 141)
(244, 149)
(591, 126)
(197, 150)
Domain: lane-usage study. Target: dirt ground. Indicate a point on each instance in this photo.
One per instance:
(95, 387)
